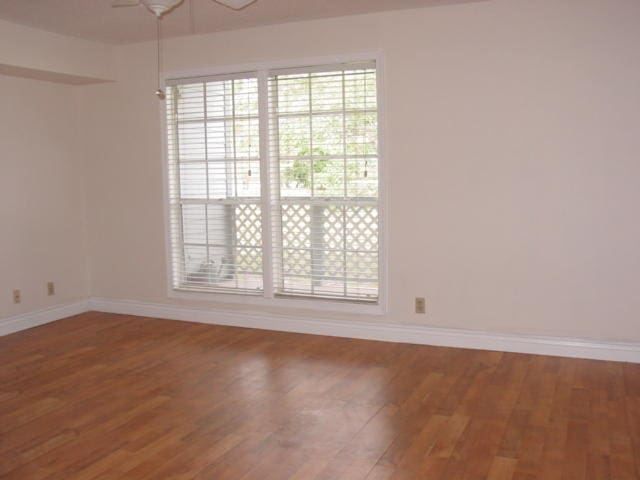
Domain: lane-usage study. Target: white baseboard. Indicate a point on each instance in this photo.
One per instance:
(558, 346)
(23, 321)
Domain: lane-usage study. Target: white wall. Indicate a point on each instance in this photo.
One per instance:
(513, 131)
(42, 227)
(34, 53)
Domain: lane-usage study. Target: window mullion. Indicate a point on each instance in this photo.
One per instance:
(206, 158)
(231, 210)
(313, 211)
(277, 248)
(265, 185)
(344, 163)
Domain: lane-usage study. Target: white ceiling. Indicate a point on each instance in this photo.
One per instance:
(96, 20)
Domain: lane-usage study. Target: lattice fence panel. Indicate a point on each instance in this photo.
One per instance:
(296, 226)
(248, 241)
(330, 249)
(362, 228)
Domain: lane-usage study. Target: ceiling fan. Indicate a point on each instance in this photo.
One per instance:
(160, 7)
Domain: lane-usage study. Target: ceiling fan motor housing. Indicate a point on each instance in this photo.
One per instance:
(236, 4)
(160, 7)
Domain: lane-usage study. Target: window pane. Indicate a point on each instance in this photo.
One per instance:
(294, 136)
(295, 178)
(362, 178)
(361, 133)
(190, 105)
(296, 226)
(360, 90)
(219, 101)
(326, 152)
(193, 182)
(219, 140)
(248, 178)
(245, 99)
(194, 225)
(195, 264)
(361, 229)
(293, 93)
(214, 160)
(248, 221)
(191, 141)
(247, 140)
(327, 91)
(328, 178)
(221, 180)
(328, 134)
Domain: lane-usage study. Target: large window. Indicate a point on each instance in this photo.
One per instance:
(274, 183)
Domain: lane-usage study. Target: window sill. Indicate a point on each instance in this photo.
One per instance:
(292, 302)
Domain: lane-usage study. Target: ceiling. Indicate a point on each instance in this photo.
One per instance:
(96, 20)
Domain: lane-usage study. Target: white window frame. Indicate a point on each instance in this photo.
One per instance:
(266, 298)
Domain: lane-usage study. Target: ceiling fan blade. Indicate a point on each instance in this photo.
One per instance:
(125, 3)
(235, 4)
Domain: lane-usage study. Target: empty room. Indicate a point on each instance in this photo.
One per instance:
(320, 239)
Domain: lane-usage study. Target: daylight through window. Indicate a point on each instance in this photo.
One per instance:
(306, 167)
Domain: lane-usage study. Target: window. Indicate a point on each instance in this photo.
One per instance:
(274, 183)
(214, 189)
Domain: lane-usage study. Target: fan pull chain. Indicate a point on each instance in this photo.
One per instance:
(250, 136)
(159, 91)
(364, 125)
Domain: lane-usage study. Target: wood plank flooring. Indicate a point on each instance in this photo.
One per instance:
(100, 396)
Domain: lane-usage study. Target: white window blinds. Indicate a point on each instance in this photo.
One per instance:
(319, 132)
(324, 158)
(214, 184)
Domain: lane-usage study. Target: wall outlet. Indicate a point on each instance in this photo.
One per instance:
(421, 305)
(17, 298)
(51, 288)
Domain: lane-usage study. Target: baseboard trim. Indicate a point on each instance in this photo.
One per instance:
(23, 321)
(557, 346)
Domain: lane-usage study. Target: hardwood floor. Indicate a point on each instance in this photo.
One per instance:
(101, 396)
